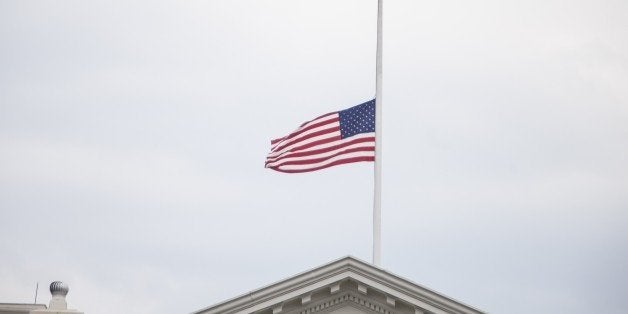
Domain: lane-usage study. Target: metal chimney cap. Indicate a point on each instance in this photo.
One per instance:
(58, 287)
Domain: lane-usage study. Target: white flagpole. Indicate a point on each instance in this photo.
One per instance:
(377, 199)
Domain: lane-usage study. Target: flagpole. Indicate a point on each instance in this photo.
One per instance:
(377, 199)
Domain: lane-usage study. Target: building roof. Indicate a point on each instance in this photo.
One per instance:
(19, 308)
(347, 282)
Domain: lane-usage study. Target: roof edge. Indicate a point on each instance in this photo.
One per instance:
(250, 296)
(347, 263)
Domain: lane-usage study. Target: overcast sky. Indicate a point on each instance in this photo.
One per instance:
(133, 136)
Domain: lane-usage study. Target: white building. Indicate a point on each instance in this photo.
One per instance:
(58, 305)
(345, 286)
(19, 308)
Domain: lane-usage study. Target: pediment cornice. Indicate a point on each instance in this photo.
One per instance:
(379, 283)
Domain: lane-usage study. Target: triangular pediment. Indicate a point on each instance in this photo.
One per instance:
(345, 286)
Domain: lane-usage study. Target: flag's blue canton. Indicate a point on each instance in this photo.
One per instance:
(358, 119)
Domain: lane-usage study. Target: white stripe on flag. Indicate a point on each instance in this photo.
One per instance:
(304, 142)
(319, 120)
(306, 133)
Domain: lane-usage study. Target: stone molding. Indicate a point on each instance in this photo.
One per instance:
(345, 298)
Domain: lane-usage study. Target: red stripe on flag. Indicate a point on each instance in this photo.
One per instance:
(335, 163)
(321, 159)
(289, 142)
(315, 143)
(306, 137)
(298, 153)
(300, 131)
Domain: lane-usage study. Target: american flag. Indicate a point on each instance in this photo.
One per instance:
(332, 139)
